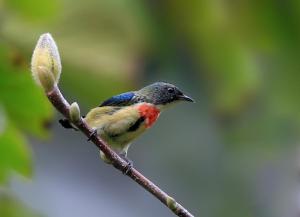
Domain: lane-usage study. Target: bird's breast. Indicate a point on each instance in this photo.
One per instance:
(149, 112)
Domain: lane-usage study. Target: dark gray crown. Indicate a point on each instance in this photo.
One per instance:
(161, 93)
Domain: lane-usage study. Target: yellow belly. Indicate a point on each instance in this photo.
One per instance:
(112, 124)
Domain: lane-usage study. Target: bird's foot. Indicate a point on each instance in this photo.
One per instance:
(129, 165)
(93, 134)
(128, 168)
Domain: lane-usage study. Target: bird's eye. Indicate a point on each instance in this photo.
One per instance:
(171, 90)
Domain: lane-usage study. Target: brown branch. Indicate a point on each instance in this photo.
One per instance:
(59, 102)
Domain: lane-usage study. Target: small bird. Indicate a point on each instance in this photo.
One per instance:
(122, 118)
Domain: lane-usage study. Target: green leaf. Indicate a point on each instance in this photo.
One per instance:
(24, 107)
(22, 99)
(14, 153)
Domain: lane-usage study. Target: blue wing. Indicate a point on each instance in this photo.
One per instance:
(123, 99)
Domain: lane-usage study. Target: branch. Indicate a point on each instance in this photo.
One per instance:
(58, 101)
(46, 70)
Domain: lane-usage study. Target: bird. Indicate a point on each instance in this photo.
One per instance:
(121, 119)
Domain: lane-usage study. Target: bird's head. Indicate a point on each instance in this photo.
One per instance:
(163, 94)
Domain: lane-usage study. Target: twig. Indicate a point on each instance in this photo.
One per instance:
(59, 102)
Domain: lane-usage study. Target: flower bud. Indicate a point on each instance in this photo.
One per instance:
(45, 62)
(171, 203)
(74, 112)
(45, 78)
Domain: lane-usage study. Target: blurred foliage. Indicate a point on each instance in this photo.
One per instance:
(11, 207)
(100, 42)
(249, 51)
(14, 153)
(24, 109)
(33, 9)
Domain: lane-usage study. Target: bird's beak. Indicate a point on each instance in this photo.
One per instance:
(186, 98)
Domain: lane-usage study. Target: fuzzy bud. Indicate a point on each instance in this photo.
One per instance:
(46, 79)
(45, 60)
(74, 112)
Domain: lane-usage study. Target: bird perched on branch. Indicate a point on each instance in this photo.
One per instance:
(122, 118)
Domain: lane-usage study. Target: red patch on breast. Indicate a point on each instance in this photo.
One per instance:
(149, 112)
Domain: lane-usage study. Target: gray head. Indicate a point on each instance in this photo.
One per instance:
(161, 93)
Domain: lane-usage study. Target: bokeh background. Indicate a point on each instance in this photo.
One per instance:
(233, 153)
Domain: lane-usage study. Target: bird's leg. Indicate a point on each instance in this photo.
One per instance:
(93, 134)
(129, 165)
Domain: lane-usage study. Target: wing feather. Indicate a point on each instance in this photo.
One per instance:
(123, 99)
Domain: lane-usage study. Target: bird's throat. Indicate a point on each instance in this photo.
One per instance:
(149, 112)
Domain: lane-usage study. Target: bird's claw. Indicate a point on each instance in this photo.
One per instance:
(128, 168)
(93, 134)
(129, 165)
